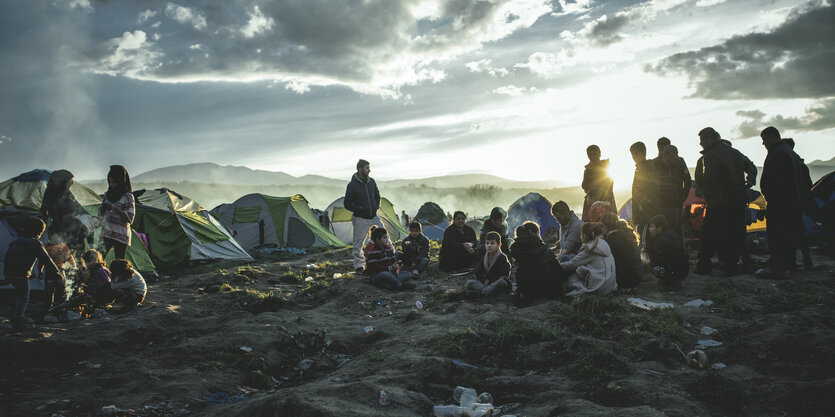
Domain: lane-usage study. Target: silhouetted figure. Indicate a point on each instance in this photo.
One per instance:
(61, 206)
(117, 211)
(404, 218)
(596, 177)
(459, 245)
(786, 186)
(809, 206)
(644, 190)
(362, 198)
(538, 273)
(674, 183)
(661, 143)
(667, 254)
(721, 175)
(624, 246)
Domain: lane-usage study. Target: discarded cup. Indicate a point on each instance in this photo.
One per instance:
(697, 359)
(369, 329)
(465, 396)
(337, 275)
(246, 349)
(418, 304)
(308, 279)
(311, 266)
(384, 398)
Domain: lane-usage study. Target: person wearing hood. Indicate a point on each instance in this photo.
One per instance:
(596, 177)
(362, 198)
(496, 223)
(570, 225)
(594, 266)
(117, 211)
(458, 245)
(60, 205)
(624, 247)
(538, 273)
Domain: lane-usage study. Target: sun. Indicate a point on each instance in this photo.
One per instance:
(621, 171)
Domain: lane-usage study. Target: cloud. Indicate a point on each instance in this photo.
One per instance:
(604, 30)
(258, 23)
(792, 61)
(819, 116)
(373, 47)
(607, 30)
(146, 15)
(485, 66)
(185, 15)
(512, 90)
(548, 65)
(76, 4)
(577, 7)
(131, 55)
(5, 139)
(708, 3)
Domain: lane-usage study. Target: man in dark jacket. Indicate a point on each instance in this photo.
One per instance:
(721, 176)
(596, 177)
(538, 273)
(673, 187)
(783, 174)
(644, 189)
(362, 198)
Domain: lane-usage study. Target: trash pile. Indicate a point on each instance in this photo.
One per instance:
(470, 404)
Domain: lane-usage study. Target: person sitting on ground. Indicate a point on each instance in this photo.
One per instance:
(415, 253)
(594, 266)
(60, 253)
(570, 225)
(538, 273)
(458, 246)
(596, 177)
(492, 270)
(97, 278)
(496, 223)
(625, 250)
(667, 254)
(19, 260)
(129, 288)
(381, 262)
(599, 208)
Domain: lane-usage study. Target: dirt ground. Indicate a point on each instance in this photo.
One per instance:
(261, 341)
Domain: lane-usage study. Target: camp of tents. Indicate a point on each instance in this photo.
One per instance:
(340, 220)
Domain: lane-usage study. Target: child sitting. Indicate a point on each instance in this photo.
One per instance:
(669, 259)
(492, 270)
(538, 273)
(497, 222)
(129, 288)
(97, 278)
(593, 266)
(20, 258)
(415, 254)
(381, 263)
(624, 246)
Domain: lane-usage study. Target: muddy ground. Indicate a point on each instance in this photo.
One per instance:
(262, 341)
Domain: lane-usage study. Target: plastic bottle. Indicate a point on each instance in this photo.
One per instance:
(465, 396)
(445, 411)
(384, 398)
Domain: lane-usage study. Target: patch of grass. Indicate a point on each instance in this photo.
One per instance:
(591, 314)
(663, 324)
(787, 296)
(718, 392)
(727, 300)
(598, 367)
(257, 302)
(303, 343)
(291, 277)
(374, 356)
(497, 341)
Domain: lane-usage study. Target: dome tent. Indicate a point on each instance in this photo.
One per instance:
(340, 220)
(258, 219)
(433, 220)
(532, 207)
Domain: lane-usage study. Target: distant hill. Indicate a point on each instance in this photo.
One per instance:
(207, 172)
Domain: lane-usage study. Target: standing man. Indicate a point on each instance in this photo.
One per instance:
(721, 175)
(644, 189)
(661, 143)
(783, 173)
(596, 177)
(362, 198)
(673, 187)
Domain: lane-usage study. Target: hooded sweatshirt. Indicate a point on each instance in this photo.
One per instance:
(594, 269)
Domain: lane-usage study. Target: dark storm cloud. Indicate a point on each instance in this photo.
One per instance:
(820, 116)
(795, 60)
(605, 31)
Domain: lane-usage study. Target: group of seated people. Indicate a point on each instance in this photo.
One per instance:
(95, 285)
(592, 257)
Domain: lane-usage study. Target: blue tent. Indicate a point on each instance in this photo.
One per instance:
(532, 207)
(433, 220)
(820, 223)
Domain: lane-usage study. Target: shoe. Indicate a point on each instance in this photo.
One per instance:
(415, 274)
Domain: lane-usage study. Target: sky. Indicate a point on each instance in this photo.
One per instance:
(514, 88)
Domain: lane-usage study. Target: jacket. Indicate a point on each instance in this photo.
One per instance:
(570, 241)
(499, 269)
(537, 270)
(416, 249)
(644, 189)
(594, 269)
(667, 250)
(453, 256)
(785, 182)
(595, 176)
(21, 256)
(379, 259)
(721, 176)
(673, 185)
(362, 197)
(627, 254)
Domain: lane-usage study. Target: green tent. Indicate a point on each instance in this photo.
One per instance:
(25, 192)
(341, 225)
(179, 230)
(258, 219)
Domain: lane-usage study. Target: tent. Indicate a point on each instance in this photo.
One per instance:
(179, 230)
(340, 220)
(25, 192)
(258, 219)
(433, 220)
(532, 207)
(477, 222)
(821, 222)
